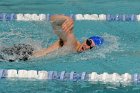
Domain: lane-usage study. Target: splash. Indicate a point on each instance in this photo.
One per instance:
(14, 46)
(28, 33)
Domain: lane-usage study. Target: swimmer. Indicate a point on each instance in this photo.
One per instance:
(63, 28)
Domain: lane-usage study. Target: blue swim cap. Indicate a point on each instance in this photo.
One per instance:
(97, 40)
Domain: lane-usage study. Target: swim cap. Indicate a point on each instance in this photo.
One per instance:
(97, 40)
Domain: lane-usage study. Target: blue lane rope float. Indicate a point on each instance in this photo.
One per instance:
(1, 73)
(7, 17)
(93, 17)
(113, 78)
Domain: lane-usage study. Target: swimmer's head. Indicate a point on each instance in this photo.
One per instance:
(90, 43)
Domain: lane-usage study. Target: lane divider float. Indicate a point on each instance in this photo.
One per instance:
(92, 17)
(93, 77)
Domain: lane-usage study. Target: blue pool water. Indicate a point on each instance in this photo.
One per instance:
(120, 52)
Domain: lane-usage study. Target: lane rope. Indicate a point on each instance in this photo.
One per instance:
(92, 17)
(94, 77)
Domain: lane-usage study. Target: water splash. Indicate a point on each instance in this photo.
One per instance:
(11, 40)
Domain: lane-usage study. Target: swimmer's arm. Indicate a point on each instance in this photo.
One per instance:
(46, 51)
(57, 21)
(58, 17)
(65, 22)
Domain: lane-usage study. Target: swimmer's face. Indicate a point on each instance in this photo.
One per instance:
(88, 44)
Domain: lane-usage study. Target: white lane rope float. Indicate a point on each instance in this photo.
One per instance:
(92, 17)
(94, 77)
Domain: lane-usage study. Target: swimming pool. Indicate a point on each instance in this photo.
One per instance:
(119, 54)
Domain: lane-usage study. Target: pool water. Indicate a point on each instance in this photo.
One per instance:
(120, 52)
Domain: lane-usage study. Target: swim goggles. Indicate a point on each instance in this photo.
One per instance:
(89, 42)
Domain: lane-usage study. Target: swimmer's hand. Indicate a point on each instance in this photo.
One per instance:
(57, 24)
(63, 22)
(67, 26)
